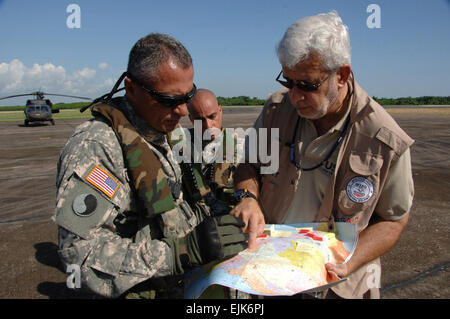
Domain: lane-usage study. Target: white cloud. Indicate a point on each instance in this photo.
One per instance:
(17, 78)
(85, 73)
(103, 65)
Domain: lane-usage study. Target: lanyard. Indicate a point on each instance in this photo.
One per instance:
(292, 146)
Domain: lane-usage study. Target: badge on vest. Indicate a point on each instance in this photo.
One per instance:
(359, 189)
(103, 181)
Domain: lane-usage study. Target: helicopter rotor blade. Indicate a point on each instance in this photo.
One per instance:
(77, 97)
(8, 97)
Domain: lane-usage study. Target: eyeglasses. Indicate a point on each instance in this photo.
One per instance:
(302, 85)
(170, 101)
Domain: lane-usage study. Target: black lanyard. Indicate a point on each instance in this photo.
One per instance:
(292, 146)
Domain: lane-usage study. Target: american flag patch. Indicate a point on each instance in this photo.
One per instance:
(103, 181)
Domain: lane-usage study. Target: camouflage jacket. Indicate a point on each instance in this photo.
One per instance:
(101, 226)
(216, 168)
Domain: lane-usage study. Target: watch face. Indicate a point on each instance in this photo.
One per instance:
(239, 194)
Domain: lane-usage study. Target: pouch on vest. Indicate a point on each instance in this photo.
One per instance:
(360, 186)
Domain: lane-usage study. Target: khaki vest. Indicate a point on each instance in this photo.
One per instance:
(373, 141)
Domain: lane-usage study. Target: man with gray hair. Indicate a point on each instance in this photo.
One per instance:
(123, 215)
(342, 156)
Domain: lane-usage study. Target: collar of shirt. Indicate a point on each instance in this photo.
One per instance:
(317, 147)
(154, 137)
(348, 103)
(147, 132)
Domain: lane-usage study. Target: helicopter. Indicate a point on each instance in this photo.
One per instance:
(40, 109)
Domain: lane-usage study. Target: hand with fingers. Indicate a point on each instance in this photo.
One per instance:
(250, 212)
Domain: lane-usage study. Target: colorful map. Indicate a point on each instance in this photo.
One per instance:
(288, 259)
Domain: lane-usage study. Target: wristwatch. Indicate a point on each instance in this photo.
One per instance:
(240, 194)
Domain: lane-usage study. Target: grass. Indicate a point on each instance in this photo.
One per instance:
(69, 114)
(77, 105)
(66, 112)
(72, 114)
(420, 110)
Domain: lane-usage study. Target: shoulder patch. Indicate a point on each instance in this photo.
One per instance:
(84, 205)
(103, 181)
(80, 209)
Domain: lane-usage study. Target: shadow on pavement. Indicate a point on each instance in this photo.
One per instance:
(47, 254)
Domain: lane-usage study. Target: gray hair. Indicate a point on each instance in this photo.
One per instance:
(324, 34)
(149, 52)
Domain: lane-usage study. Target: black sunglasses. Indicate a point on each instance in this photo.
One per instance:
(302, 85)
(170, 101)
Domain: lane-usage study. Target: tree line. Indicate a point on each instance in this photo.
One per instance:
(239, 100)
(246, 100)
(422, 100)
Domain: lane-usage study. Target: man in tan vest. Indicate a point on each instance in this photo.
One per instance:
(341, 155)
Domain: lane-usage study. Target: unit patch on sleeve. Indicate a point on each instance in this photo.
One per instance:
(103, 181)
(84, 205)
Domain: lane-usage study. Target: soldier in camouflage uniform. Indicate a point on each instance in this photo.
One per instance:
(123, 216)
(216, 168)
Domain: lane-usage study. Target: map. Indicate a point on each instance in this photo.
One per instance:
(288, 259)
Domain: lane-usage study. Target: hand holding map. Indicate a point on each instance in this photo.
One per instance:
(287, 259)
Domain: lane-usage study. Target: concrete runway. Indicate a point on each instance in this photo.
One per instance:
(417, 267)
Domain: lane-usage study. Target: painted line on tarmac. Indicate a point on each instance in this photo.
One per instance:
(427, 273)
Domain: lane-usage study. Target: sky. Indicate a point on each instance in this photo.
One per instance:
(232, 43)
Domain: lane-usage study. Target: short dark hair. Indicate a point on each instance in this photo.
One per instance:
(152, 50)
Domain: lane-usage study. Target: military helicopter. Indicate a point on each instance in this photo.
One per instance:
(40, 109)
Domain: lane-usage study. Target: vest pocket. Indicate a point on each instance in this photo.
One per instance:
(360, 186)
(178, 222)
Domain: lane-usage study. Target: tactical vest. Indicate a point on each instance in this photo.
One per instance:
(219, 176)
(144, 168)
(160, 210)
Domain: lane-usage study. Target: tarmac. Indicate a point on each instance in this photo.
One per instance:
(416, 267)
